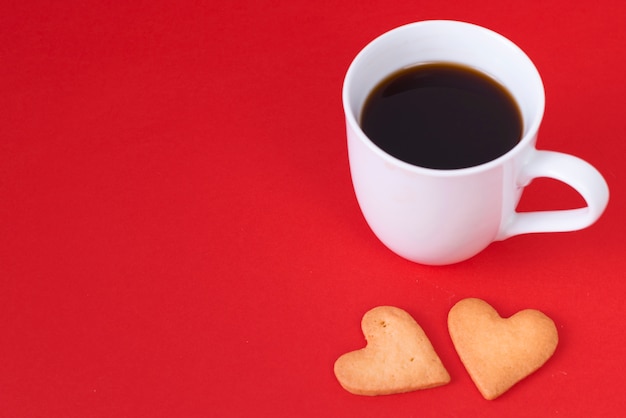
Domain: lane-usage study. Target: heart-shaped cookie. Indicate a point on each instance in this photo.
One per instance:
(499, 352)
(398, 357)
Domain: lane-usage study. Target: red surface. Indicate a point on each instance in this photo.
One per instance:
(179, 236)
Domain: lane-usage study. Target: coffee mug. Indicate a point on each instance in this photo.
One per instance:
(443, 216)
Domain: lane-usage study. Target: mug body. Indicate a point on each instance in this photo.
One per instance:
(427, 215)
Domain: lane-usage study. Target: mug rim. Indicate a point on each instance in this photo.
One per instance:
(352, 121)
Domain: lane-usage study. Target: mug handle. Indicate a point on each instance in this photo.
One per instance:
(577, 173)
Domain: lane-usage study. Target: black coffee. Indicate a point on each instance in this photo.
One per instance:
(442, 116)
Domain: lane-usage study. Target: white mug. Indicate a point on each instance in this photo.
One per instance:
(438, 217)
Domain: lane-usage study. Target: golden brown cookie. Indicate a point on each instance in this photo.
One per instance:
(499, 352)
(398, 357)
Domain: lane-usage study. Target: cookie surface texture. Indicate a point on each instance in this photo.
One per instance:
(398, 357)
(499, 352)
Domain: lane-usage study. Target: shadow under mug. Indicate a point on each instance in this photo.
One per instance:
(441, 217)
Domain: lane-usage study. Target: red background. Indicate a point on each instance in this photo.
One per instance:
(179, 236)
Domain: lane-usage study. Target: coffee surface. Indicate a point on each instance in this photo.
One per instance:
(442, 116)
